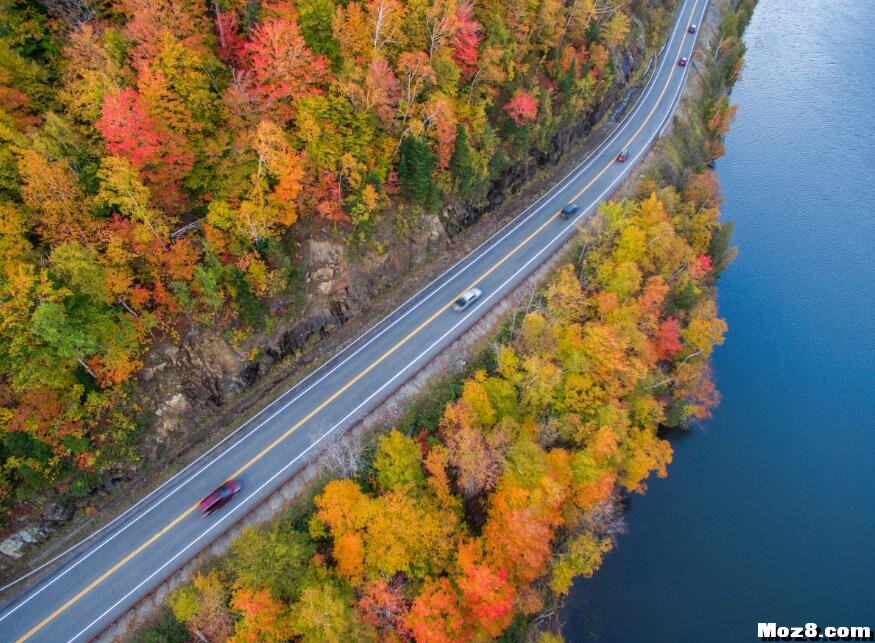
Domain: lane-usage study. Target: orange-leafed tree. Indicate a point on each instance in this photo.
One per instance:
(263, 618)
(437, 615)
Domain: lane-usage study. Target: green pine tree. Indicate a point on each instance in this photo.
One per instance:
(566, 83)
(461, 167)
(415, 168)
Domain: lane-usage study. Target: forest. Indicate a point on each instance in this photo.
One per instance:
(159, 159)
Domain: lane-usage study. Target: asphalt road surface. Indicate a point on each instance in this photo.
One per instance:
(111, 570)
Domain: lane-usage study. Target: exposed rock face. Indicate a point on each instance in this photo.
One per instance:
(14, 545)
(58, 511)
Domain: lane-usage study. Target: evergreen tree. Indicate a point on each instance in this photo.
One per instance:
(566, 83)
(460, 163)
(415, 169)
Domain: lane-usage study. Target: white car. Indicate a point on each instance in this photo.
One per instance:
(467, 298)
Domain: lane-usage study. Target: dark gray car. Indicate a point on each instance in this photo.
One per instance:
(570, 210)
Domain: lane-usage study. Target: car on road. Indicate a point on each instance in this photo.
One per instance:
(691, 29)
(682, 62)
(466, 299)
(570, 210)
(219, 497)
(622, 156)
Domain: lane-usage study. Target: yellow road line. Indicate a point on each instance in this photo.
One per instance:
(107, 574)
(351, 382)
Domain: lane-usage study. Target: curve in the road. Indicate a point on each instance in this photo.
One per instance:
(386, 354)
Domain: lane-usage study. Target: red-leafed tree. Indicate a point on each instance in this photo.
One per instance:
(383, 606)
(129, 130)
(522, 108)
(382, 90)
(700, 266)
(149, 21)
(283, 67)
(466, 39)
(231, 42)
(668, 339)
(155, 152)
(487, 595)
(329, 199)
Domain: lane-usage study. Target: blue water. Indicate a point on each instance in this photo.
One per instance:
(768, 513)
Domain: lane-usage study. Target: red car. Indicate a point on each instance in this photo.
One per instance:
(219, 497)
(622, 156)
(682, 62)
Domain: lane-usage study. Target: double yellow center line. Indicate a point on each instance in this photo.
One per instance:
(358, 377)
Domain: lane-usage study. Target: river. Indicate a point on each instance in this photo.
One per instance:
(768, 513)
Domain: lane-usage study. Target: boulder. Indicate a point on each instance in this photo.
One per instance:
(15, 544)
(56, 511)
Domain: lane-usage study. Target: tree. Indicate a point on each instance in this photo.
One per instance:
(475, 463)
(381, 90)
(522, 108)
(324, 613)
(398, 462)
(283, 67)
(466, 39)
(616, 29)
(385, 18)
(275, 559)
(583, 557)
(122, 190)
(315, 18)
(203, 606)
(415, 168)
(264, 619)
(384, 607)
(51, 189)
(440, 20)
(178, 91)
(643, 454)
(416, 74)
(155, 152)
(461, 167)
(150, 20)
(668, 339)
(525, 511)
(487, 596)
(436, 615)
(440, 122)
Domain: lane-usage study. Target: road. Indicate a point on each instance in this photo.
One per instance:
(116, 567)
